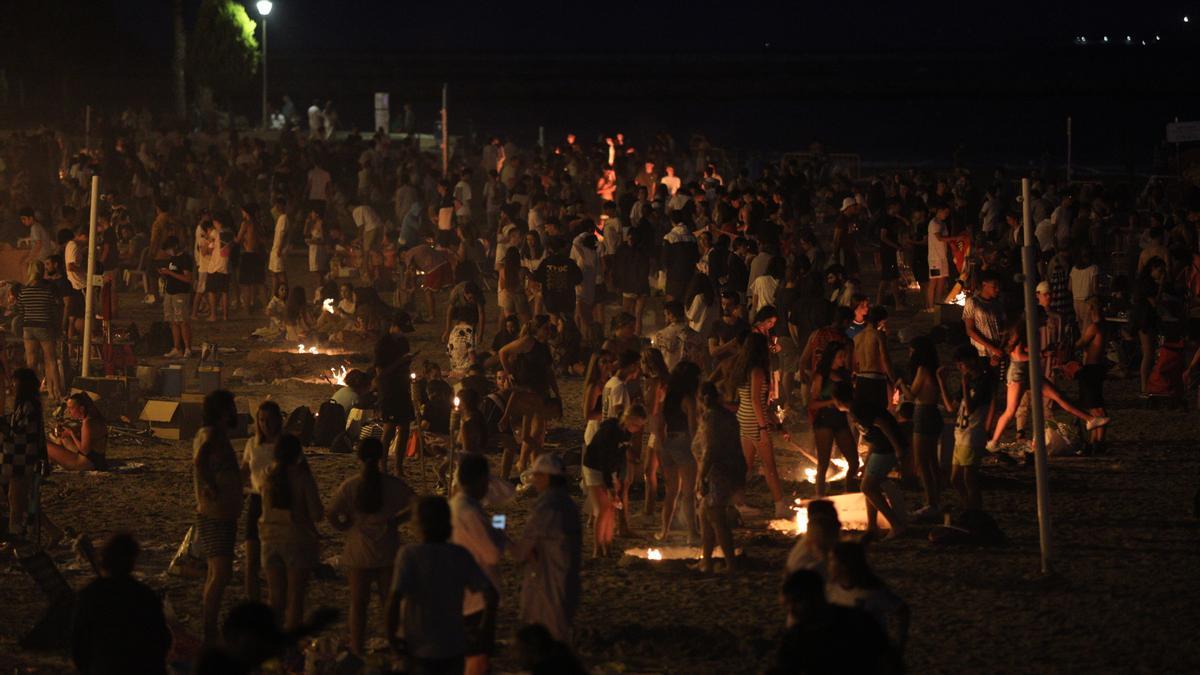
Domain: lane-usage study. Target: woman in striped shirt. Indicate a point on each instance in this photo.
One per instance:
(41, 314)
(750, 375)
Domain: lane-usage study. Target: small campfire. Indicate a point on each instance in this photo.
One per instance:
(674, 553)
(960, 299)
(301, 349)
(842, 466)
(338, 375)
(797, 525)
(327, 306)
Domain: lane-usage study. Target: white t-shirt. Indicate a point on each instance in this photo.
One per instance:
(616, 394)
(938, 256)
(672, 183)
(1045, 234)
(612, 236)
(462, 194)
(75, 253)
(1083, 282)
(259, 458)
(366, 218)
(275, 264)
(315, 118)
(37, 233)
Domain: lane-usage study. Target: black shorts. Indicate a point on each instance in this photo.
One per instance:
(75, 304)
(1091, 386)
(481, 640)
(871, 391)
(253, 513)
(217, 282)
(395, 406)
(832, 419)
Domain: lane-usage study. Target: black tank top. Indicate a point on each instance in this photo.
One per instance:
(533, 368)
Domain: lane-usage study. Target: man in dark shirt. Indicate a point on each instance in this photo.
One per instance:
(177, 294)
(826, 638)
(119, 625)
(558, 276)
(727, 333)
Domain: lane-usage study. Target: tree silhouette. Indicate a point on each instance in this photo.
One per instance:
(222, 51)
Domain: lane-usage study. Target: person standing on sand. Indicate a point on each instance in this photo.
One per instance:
(603, 461)
(473, 530)
(551, 549)
(720, 478)
(367, 508)
(217, 481)
(970, 427)
(877, 430)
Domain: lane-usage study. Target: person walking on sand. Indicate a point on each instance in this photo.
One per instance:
(880, 433)
(217, 482)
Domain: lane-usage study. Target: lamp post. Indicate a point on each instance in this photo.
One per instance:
(264, 8)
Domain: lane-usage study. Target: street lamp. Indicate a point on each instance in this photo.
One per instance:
(264, 8)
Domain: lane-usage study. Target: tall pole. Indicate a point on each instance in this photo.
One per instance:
(1036, 409)
(1068, 148)
(445, 132)
(264, 64)
(88, 315)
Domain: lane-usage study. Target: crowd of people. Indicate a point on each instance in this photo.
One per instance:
(755, 283)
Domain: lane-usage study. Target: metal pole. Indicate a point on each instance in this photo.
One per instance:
(445, 133)
(264, 60)
(87, 285)
(1036, 409)
(1068, 148)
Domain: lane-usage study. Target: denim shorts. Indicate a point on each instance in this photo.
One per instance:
(879, 466)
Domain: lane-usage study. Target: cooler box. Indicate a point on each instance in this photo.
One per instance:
(173, 420)
(170, 380)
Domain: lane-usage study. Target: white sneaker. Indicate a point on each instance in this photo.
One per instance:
(149, 299)
(1097, 422)
(187, 354)
(992, 446)
(173, 354)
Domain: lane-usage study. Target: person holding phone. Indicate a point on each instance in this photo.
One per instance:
(475, 531)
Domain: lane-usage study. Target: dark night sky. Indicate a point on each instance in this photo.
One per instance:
(701, 25)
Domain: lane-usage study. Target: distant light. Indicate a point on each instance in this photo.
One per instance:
(1106, 38)
(1128, 39)
(1143, 43)
(1185, 19)
(1081, 40)
(264, 7)
(1157, 38)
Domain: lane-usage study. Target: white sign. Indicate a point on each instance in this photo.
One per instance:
(383, 115)
(1183, 132)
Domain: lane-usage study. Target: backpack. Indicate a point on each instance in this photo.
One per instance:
(158, 339)
(342, 444)
(300, 423)
(331, 421)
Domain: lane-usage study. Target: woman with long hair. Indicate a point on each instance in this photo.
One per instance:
(257, 457)
(291, 509)
(1018, 379)
(654, 388)
(83, 450)
(679, 418)
(41, 321)
(700, 299)
(927, 419)
(24, 453)
(510, 288)
(367, 507)
(750, 375)
(829, 424)
(217, 482)
(529, 361)
(599, 369)
(297, 321)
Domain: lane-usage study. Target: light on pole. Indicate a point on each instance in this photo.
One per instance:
(264, 8)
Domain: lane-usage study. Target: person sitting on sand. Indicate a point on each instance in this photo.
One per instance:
(81, 450)
(828, 638)
(813, 549)
(603, 461)
(297, 323)
(851, 583)
(877, 429)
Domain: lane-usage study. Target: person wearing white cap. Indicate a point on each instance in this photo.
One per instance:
(551, 548)
(845, 230)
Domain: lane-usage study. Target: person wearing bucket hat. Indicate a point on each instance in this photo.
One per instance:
(845, 235)
(551, 549)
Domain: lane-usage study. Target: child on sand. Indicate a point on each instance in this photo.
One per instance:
(970, 427)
